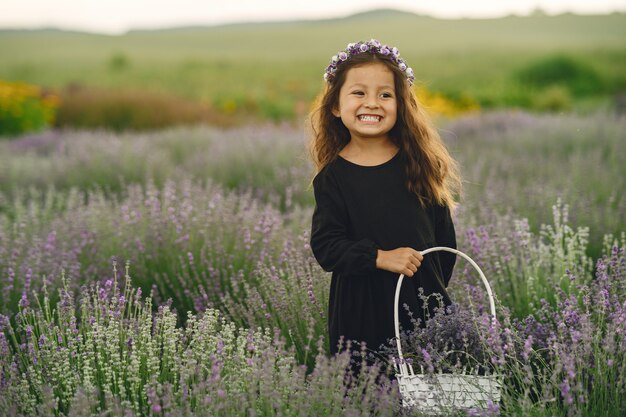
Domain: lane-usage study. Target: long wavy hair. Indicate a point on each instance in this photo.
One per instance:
(432, 174)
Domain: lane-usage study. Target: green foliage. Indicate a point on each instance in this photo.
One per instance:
(276, 110)
(119, 62)
(24, 108)
(576, 76)
(553, 98)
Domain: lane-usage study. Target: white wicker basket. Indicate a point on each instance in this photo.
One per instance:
(437, 393)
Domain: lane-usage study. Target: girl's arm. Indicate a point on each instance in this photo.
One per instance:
(329, 242)
(445, 235)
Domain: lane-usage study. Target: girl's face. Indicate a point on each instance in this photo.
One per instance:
(367, 102)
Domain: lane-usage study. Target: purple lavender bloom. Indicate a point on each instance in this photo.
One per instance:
(428, 360)
(492, 408)
(51, 241)
(373, 46)
(24, 301)
(4, 322)
(27, 278)
(565, 393)
(11, 277)
(528, 345)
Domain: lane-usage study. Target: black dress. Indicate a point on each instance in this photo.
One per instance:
(361, 209)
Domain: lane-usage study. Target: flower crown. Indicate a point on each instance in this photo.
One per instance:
(372, 46)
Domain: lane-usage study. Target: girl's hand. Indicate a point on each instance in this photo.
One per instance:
(401, 261)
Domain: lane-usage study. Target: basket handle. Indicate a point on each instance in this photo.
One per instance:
(492, 305)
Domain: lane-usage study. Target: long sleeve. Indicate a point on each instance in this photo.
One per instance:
(445, 235)
(329, 235)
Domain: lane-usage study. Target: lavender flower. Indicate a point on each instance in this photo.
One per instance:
(373, 46)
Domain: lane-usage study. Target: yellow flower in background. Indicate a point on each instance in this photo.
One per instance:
(229, 106)
(25, 107)
(50, 103)
(437, 104)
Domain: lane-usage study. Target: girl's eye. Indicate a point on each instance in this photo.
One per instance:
(386, 95)
(358, 93)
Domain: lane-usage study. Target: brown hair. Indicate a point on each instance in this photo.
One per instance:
(432, 174)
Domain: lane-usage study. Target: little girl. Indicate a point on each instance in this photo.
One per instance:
(384, 189)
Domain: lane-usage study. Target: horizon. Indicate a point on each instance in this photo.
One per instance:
(83, 21)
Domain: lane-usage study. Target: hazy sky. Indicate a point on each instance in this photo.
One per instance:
(117, 16)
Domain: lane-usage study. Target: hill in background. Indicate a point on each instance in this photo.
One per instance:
(274, 69)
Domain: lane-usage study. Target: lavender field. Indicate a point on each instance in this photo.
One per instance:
(169, 273)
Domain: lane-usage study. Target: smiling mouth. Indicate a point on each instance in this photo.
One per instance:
(369, 118)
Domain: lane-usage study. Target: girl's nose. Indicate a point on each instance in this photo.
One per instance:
(371, 103)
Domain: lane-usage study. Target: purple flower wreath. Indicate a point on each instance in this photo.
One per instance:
(372, 46)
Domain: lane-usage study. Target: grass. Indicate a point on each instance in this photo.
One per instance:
(274, 70)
